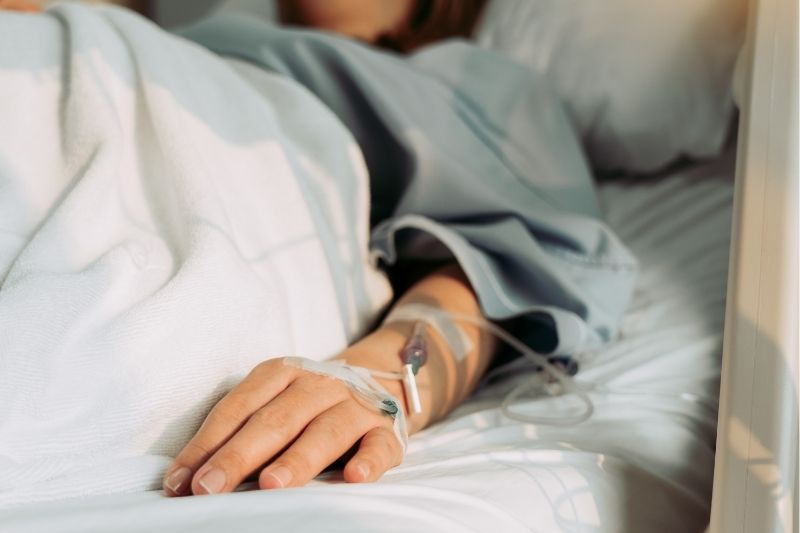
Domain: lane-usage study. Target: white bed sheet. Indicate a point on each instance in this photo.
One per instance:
(644, 462)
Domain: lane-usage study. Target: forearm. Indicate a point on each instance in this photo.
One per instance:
(297, 422)
(445, 381)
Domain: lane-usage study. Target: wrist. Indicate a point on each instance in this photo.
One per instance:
(380, 351)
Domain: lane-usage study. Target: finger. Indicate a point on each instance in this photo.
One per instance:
(326, 438)
(378, 452)
(267, 432)
(264, 383)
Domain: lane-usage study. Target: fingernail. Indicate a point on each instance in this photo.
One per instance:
(178, 481)
(362, 469)
(212, 481)
(282, 475)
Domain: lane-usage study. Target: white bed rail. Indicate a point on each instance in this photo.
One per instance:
(755, 481)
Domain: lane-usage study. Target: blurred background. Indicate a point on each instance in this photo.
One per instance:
(171, 12)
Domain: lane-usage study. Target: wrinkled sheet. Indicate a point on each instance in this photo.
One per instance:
(166, 225)
(644, 462)
(164, 228)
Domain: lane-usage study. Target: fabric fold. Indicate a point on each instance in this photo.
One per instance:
(470, 157)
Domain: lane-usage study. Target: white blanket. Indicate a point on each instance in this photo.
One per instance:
(643, 463)
(158, 238)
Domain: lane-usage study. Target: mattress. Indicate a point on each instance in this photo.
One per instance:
(643, 462)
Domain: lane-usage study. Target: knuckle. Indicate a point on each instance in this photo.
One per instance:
(311, 382)
(233, 460)
(194, 453)
(264, 368)
(329, 430)
(259, 368)
(269, 366)
(379, 422)
(273, 420)
(387, 444)
(233, 409)
(236, 404)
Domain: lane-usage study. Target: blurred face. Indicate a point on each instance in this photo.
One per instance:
(20, 5)
(400, 25)
(367, 20)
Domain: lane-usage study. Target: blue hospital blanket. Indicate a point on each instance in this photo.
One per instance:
(470, 157)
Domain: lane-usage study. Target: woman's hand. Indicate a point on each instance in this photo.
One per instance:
(293, 421)
(297, 422)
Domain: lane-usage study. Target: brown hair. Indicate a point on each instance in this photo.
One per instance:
(432, 20)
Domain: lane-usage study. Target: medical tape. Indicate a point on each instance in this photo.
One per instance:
(360, 381)
(558, 382)
(453, 335)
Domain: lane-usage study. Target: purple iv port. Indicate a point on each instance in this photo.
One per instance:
(415, 352)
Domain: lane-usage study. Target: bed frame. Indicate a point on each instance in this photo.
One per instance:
(755, 477)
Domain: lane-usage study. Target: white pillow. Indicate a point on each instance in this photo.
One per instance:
(645, 81)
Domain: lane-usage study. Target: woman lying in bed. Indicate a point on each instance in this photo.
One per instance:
(301, 422)
(526, 245)
(317, 417)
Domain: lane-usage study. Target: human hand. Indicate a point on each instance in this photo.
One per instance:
(296, 422)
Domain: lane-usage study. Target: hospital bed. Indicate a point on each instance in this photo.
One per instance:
(755, 481)
(646, 459)
(644, 462)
